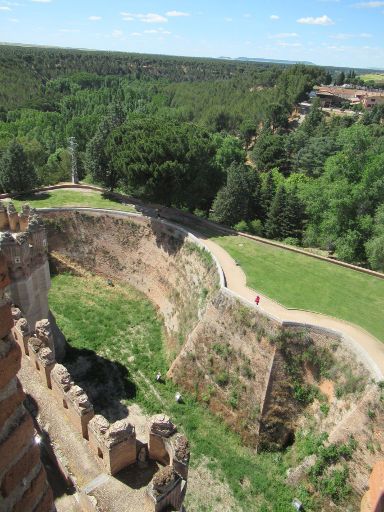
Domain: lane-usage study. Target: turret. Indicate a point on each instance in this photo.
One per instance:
(17, 254)
(13, 218)
(38, 240)
(24, 217)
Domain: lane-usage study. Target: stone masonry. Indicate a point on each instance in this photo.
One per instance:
(23, 483)
(23, 243)
(25, 332)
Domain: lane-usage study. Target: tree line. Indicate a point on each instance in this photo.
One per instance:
(212, 137)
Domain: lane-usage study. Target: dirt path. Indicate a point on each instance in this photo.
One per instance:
(369, 349)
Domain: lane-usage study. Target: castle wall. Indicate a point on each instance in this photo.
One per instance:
(23, 483)
(23, 242)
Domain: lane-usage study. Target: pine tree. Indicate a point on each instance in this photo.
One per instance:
(275, 225)
(16, 172)
(267, 193)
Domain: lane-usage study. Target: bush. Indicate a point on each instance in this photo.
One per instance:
(255, 227)
(291, 241)
(242, 226)
(222, 379)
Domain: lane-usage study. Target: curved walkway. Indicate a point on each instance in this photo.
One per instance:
(368, 349)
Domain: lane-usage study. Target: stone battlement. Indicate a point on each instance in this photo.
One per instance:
(114, 445)
(26, 332)
(23, 483)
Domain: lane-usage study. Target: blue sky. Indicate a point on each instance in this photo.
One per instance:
(334, 32)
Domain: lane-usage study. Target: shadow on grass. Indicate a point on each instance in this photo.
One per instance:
(105, 382)
(30, 198)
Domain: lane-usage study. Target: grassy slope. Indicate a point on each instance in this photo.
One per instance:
(119, 322)
(378, 78)
(301, 282)
(59, 197)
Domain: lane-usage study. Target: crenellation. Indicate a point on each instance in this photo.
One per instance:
(114, 444)
(13, 218)
(24, 217)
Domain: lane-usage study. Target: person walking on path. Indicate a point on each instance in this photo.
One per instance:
(257, 300)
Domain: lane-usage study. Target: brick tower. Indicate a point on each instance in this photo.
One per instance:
(23, 483)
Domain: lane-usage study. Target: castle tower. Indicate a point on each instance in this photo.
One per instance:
(27, 262)
(23, 482)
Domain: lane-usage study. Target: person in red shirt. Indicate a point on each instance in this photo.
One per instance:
(257, 300)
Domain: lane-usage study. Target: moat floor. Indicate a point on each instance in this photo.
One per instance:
(126, 493)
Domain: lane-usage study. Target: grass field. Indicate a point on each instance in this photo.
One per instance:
(376, 77)
(120, 324)
(60, 197)
(301, 282)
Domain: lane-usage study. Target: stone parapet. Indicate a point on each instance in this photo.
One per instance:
(114, 444)
(42, 358)
(74, 400)
(167, 490)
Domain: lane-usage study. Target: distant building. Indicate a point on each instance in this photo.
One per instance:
(332, 96)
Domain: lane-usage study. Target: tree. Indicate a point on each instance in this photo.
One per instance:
(375, 246)
(340, 79)
(275, 225)
(163, 160)
(229, 150)
(58, 168)
(16, 172)
(238, 200)
(267, 193)
(269, 152)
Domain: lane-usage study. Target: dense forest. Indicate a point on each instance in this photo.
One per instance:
(214, 137)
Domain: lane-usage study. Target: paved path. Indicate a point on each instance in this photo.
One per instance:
(368, 348)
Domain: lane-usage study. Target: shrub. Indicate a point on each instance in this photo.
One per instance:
(222, 379)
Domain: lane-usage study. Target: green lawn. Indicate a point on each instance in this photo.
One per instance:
(376, 77)
(121, 325)
(301, 282)
(62, 197)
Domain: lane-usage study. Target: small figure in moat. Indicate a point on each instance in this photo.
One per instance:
(178, 398)
(257, 300)
(158, 377)
(109, 282)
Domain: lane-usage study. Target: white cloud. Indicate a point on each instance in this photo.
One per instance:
(150, 17)
(42, 1)
(69, 30)
(284, 35)
(343, 37)
(247, 15)
(14, 20)
(274, 17)
(95, 18)
(177, 14)
(157, 31)
(288, 45)
(117, 34)
(136, 34)
(320, 20)
(369, 5)
(228, 20)
(5, 8)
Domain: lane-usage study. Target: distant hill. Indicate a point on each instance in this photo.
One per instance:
(272, 61)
